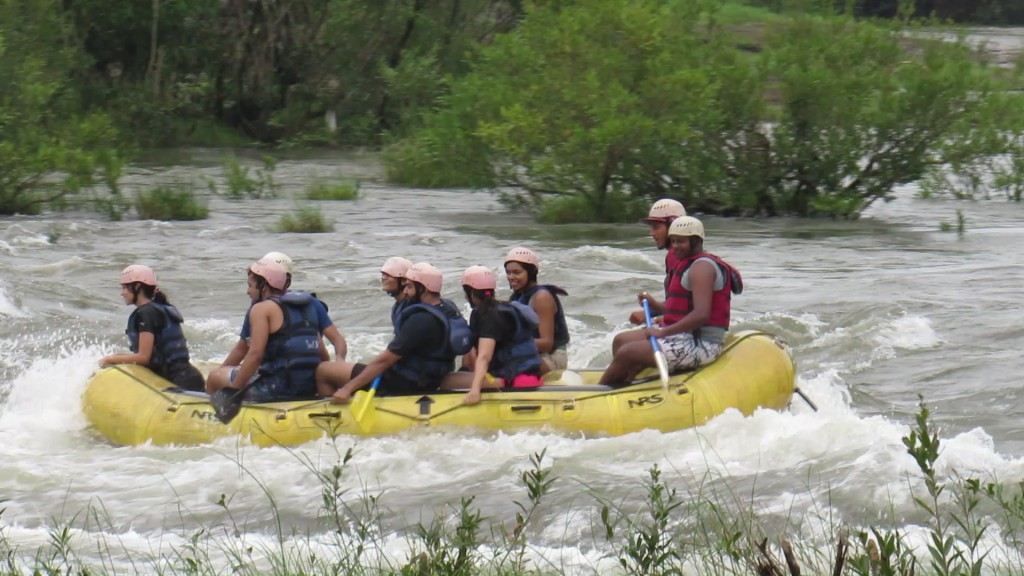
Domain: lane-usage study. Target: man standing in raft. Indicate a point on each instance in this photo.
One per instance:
(696, 309)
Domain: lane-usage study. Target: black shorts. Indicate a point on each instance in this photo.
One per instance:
(185, 376)
(392, 384)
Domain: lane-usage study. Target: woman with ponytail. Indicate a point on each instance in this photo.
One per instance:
(505, 352)
(154, 331)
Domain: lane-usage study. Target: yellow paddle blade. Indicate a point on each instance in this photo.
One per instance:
(362, 409)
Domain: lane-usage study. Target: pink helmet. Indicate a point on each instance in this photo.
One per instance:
(479, 278)
(281, 257)
(523, 256)
(271, 270)
(426, 275)
(138, 273)
(396, 266)
(665, 210)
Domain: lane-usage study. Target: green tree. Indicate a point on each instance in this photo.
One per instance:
(861, 114)
(586, 112)
(596, 104)
(49, 150)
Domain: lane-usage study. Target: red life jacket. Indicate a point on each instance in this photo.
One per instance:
(679, 300)
(671, 261)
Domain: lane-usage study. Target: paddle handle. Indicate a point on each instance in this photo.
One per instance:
(647, 317)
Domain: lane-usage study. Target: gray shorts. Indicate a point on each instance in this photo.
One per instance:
(557, 359)
(684, 352)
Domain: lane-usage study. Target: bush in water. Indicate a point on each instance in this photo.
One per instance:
(166, 203)
(239, 184)
(305, 219)
(335, 191)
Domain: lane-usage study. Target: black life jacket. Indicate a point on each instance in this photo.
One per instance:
(169, 345)
(293, 352)
(427, 370)
(561, 328)
(518, 356)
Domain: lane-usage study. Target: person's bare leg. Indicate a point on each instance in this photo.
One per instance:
(464, 381)
(630, 359)
(625, 337)
(218, 378)
(332, 375)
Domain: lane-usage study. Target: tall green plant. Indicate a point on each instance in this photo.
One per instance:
(955, 532)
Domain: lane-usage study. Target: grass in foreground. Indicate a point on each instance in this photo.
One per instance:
(707, 531)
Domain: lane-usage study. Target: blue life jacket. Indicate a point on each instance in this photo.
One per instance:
(561, 328)
(169, 345)
(293, 352)
(396, 312)
(519, 356)
(428, 369)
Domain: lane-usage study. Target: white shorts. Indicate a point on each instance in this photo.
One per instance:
(684, 352)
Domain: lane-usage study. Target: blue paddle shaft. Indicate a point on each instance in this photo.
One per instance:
(647, 315)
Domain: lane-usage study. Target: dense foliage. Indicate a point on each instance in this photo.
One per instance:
(51, 147)
(589, 111)
(575, 110)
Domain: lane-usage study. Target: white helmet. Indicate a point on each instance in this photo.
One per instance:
(281, 259)
(396, 266)
(686, 226)
(665, 210)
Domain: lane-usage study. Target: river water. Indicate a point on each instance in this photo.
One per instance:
(878, 311)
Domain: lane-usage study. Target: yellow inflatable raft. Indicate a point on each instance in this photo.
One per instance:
(130, 405)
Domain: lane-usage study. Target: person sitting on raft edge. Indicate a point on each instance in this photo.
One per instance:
(325, 325)
(552, 332)
(418, 357)
(697, 310)
(155, 337)
(285, 347)
(659, 218)
(503, 340)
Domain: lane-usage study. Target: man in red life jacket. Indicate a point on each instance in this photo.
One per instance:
(662, 214)
(696, 309)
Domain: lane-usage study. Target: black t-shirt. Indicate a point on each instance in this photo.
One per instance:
(149, 318)
(494, 324)
(420, 334)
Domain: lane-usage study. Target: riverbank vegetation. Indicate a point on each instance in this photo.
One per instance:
(970, 526)
(574, 110)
